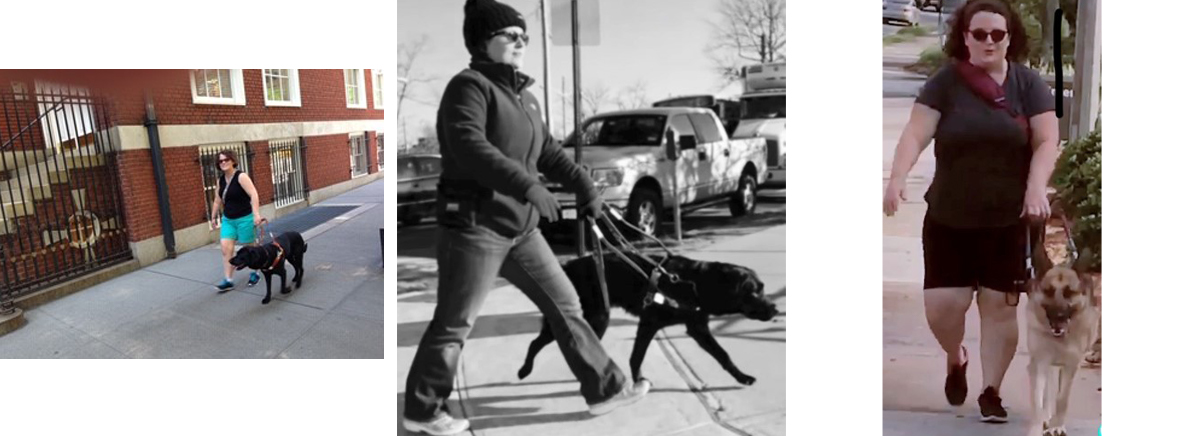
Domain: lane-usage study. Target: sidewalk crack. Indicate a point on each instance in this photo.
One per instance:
(709, 401)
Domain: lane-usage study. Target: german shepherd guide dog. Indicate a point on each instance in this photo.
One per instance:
(705, 289)
(1062, 324)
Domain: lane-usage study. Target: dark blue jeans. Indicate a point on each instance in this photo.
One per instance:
(469, 261)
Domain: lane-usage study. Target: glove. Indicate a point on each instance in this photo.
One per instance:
(594, 208)
(546, 202)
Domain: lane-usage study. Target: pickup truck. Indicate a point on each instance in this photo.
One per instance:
(418, 176)
(625, 152)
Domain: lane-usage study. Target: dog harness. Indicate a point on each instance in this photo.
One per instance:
(278, 257)
(654, 294)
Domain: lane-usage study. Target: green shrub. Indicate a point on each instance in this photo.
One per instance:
(931, 60)
(1078, 182)
(915, 31)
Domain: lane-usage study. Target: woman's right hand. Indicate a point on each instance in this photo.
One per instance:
(892, 197)
(546, 202)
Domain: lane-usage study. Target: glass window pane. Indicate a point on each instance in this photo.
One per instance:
(199, 83)
(284, 94)
(225, 82)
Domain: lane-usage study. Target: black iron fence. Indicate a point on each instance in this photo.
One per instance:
(286, 172)
(61, 208)
(207, 157)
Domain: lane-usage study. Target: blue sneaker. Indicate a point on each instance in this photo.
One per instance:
(226, 285)
(254, 279)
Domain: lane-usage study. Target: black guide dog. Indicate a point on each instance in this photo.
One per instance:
(268, 258)
(705, 289)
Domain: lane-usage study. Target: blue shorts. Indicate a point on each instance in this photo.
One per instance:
(241, 229)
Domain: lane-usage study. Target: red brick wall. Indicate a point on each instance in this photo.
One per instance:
(138, 185)
(328, 160)
(322, 97)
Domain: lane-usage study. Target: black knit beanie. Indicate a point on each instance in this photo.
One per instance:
(482, 18)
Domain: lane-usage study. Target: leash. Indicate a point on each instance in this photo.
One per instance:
(1024, 284)
(260, 232)
(653, 278)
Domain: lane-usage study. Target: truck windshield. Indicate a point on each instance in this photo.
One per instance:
(629, 130)
(772, 106)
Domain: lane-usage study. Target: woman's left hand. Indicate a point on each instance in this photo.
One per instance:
(1035, 204)
(259, 220)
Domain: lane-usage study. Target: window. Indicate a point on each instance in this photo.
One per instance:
(281, 88)
(376, 79)
(355, 89)
(381, 144)
(358, 162)
(217, 87)
(708, 130)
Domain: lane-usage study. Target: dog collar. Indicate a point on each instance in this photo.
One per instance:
(278, 257)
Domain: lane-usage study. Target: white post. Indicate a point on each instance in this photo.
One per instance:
(1086, 89)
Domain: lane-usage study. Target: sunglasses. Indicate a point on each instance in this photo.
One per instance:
(514, 37)
(996, 35)
(222, 161)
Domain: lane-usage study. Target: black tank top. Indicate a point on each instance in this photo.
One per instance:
(235, 201)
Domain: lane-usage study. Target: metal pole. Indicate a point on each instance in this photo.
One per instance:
(546, 65)
(1087, 74)
(166, 216)
(578, 127)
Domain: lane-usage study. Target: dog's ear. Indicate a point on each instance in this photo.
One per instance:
(1083, 261)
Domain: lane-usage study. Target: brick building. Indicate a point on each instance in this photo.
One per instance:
(78, 182)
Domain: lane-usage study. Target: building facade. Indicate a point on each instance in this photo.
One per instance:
(82, 151)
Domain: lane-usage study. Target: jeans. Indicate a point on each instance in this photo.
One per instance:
(470, 259)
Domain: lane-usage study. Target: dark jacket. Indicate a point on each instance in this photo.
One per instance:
(493, 145)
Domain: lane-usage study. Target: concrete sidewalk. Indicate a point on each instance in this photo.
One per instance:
(691, 395)
(914, 364)
(171, 310)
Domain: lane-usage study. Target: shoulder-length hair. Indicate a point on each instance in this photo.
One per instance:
(959, 26)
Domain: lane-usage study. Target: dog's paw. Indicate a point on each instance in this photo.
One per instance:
(1055, 431)
(266, 300)
(745, 379)
(525, 372)
(287, 290)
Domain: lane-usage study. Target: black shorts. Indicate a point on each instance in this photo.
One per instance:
(993, 257)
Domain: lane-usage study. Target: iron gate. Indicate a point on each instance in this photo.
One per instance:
(207, 157)
(61, 209)
(286, 174)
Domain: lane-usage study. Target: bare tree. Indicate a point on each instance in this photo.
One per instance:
(749, 32)
(408, 77)
(594, 97)
(633, 97)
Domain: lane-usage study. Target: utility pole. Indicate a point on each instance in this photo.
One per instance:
(579, 236)
(546, 65)
(1086, 83)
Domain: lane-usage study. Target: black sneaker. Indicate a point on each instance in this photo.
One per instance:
(991, 404)
(956, 387)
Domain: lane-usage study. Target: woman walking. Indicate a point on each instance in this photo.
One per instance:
(493, 145)
(237, 198)
(997, 141)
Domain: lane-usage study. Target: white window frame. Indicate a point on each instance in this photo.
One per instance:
(361, 86)
(379, 145)
(364, 153)
(379, 87)
(293, 90)
(239, 98)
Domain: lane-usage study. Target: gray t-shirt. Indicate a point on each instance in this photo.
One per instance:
(983, 155)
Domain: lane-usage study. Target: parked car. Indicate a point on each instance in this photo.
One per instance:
(418, 176)
(626, 154)
(901, 10)
(925, 4)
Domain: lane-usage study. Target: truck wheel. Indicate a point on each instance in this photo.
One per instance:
(743, 202)
(644, 211)
(407, 216)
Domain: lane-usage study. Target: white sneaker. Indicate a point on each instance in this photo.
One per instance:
(629, 395)
(443, 425)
